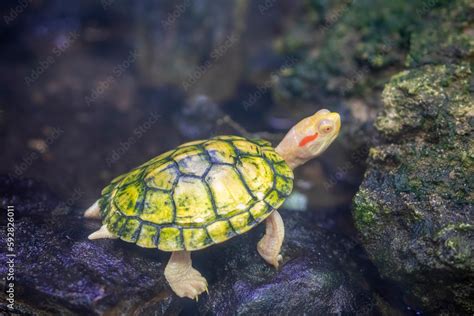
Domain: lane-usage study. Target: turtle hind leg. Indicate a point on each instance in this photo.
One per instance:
(93, 211)
(103, 232)
(270, 245)
(183, 279)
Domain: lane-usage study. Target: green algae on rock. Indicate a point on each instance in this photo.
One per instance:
(360, 42)
(414, 210)
(444, 39)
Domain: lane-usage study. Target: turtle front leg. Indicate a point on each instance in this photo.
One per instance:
(270, 245)
(184, 280)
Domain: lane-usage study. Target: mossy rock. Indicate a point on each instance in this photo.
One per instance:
(414, 209)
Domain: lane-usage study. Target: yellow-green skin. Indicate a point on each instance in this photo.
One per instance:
(199, 194)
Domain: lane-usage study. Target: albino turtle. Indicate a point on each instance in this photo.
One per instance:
(207, 191)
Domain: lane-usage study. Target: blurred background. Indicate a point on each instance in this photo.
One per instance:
(91, 89)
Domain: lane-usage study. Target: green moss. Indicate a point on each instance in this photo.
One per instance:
(465, 227)
(357, 40)
(365, 209)
(442, 39)
(418, 100)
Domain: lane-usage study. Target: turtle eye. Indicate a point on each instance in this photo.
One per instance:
(326, 126)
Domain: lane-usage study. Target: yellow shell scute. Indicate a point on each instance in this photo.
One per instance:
(158, 207)
(257, 174)
(162, 177)
(109, 211)
(220, 231)
(129, 231)
(283, 186)
(195, 238)
(220, 151)
(229, 137)
(262, 143)
(114, 221)
(170, 239)
(246, 147)
(195, 165)
(158, 159)
(274, 199)
(108, 189)
(193, 204)
(147, 237)
(283, 169)
(183, 152)
(128, 199)
(228, 190)
(259, 211)
(271, 155)
(132, 176)
(241, 223)
(118, 178)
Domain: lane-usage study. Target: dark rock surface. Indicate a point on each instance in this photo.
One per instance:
(320, 275)
(414, 210)
(59, 271)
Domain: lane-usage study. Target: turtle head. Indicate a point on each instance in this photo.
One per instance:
(310, 137)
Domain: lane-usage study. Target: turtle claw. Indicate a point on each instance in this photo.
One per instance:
(276, 261)
(272, 260)
(183, 279)
(279, 259)
(190, 286)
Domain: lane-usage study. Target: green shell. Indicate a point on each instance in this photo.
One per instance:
(201, 193)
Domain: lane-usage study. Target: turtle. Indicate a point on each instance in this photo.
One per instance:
(205, 192)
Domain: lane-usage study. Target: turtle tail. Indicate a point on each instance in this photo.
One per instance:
(93, 211)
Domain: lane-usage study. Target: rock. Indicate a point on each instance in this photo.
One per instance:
(58, 270)
(320, 274)
(356, 47)
(414, 209)
(452, 39)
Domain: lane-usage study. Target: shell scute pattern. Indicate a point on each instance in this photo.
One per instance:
(201, 193)
(229, 192)
(163, 177)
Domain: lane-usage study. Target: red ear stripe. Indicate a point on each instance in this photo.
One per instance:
(308, 139)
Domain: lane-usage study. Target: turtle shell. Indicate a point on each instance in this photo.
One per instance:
(201, 193)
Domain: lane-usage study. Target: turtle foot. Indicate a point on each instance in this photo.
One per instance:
(273, 259)
(183, 279)
(190, 285)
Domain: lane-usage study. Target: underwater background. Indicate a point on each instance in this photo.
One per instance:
(380, 224)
